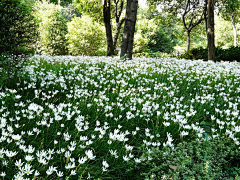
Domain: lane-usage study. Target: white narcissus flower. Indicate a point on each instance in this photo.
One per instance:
(29, 157)
(82, 160)
(19, 163)
(105, 164)
(89, 153)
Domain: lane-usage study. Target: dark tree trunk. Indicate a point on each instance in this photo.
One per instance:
(117, 31)
(118, 21)
(210, 31)
(191, 24)
(188, 40)
(234, 31)
(129, 29)
(205, 14)
(107, 22)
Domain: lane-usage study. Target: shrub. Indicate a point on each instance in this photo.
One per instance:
(18, 27)
(153, 38)
(10, 66)
(17, 37)
(52, 28)
(229, 54)
(85, 37)
(194, 160)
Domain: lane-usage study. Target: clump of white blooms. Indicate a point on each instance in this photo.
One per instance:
(71, 114)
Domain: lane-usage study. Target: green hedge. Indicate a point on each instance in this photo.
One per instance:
(52, 28)
(85, 37)
(208, 159)
(18, 30)
(230, 54)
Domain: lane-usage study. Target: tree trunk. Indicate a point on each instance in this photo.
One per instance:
(210, 31)
(107, 22)
(191, 24)
(129, 29)
(205, 14)
(234, 31)
(188, 40)
(117, 31)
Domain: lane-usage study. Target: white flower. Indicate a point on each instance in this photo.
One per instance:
(73, 172)
(59, 173)
(137, 160)
(67, 154)
(19, 163)
(82, 160)
(70, 165)
(36, 173)
(10, 153)
(237, 128)
(51, 169)
(166, 123)
(183, 133)
(3, 174)
(131, 155)
(27, 169)
(5, 163)
(29, 157)
(16, 137)
(89, 153)
(42, 160)
(105, 164)
(71, 148)
(128, 147)
(126, 158)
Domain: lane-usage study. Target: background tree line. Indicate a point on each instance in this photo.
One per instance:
(96, 27)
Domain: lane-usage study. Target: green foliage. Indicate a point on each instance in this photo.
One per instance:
(52, 28)
(92, 8)
(85, 37)
(70, 12)
(196, 53)
(18, 27)
(17, 37)
(229, 9)
(230, 54)
(223, 33)
(10, 66)
(61, 2)
(153, 38)
(193, 160)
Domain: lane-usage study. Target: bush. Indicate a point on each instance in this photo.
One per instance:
(194, 160)
(152, 38)
(85, 37)
(229, 54)
(10, 66)
(195, 53)
(52, 28)
(17, 37)
(18, 27)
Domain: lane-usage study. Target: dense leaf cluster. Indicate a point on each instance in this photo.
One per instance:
(230, 54)
(205, 159)
(18, 27)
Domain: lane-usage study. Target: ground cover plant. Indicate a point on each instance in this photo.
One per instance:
(68, 117)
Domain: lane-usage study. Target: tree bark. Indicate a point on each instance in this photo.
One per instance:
(191, 24)
(129, 29)
(118, 21)
(210, 31)
(188, 40)
(107, 22)
(117, 32)
(205, 14)
(234, 31)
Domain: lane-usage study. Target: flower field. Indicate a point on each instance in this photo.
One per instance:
(68, 117)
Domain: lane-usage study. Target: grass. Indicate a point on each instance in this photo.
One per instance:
(101, 118)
